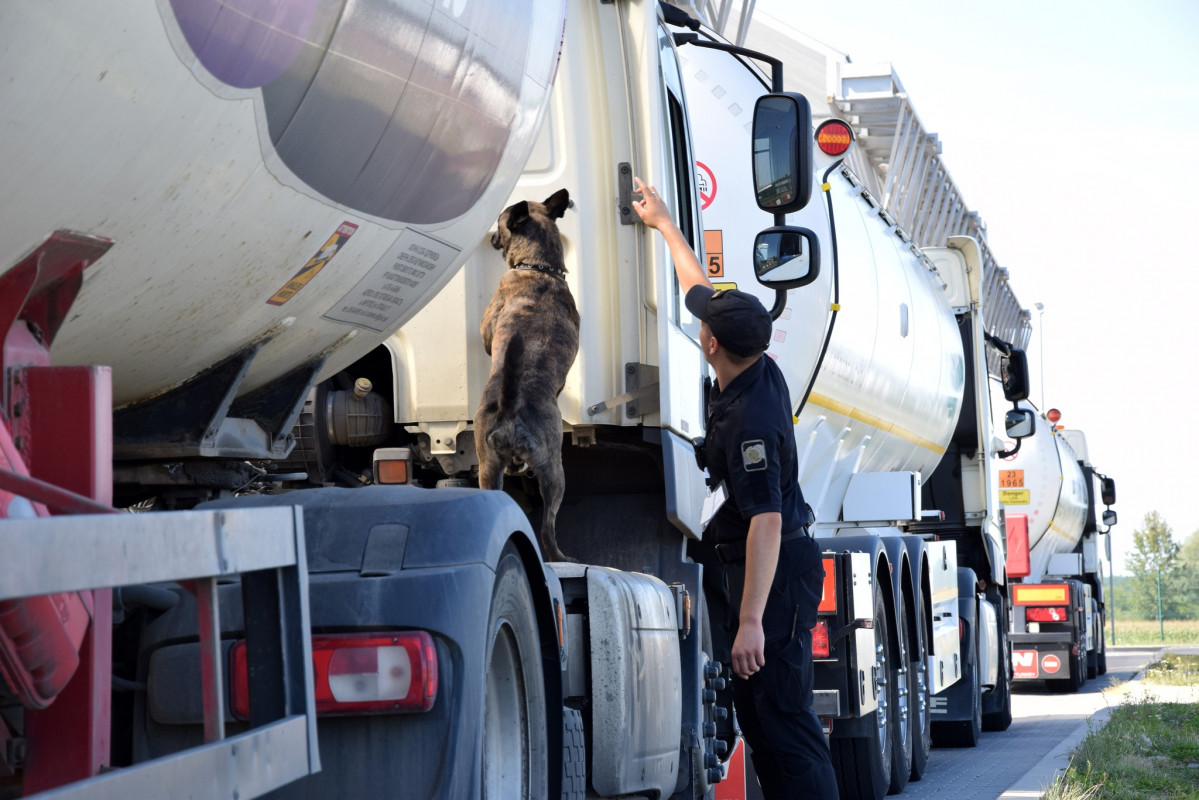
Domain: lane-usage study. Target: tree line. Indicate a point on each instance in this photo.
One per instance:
(1157, 555)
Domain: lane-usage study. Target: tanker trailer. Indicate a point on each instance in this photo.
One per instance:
(885, 353)
(1056, 549)
(223, 203)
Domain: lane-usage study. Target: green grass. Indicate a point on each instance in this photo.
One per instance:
(1146, 632)
(1146, 749)
(1174, 669)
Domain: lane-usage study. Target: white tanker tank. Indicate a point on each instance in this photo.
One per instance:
(1043, 482)
(272, 187)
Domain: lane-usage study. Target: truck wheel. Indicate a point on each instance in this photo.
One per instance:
(1101, 666)
(574, 756)
(901, 703)
(921, 702)
(1000, 719)
(965, 733)
(515, 761)
(863, 763)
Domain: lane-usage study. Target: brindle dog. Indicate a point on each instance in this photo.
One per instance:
(531, 332)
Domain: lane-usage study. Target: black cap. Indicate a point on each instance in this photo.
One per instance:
(738, 320)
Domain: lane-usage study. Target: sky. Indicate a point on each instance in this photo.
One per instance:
(1073, 129)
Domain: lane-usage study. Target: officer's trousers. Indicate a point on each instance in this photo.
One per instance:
(774, 706)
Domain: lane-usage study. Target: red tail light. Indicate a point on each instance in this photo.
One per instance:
(1048, 614)
(358, 674)
(820, 646)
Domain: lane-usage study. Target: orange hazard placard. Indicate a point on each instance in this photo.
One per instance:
(714, 247)
(1011, 479)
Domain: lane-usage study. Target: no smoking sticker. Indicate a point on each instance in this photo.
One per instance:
(706, 181)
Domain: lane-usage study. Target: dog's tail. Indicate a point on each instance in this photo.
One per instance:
(510, 433)
(514, 355)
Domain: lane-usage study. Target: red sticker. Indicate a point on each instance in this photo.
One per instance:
(1051, 663)
(1024, 663)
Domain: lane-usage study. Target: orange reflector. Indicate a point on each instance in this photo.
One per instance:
(1054, 594)
(828, 597)
(834, 137)
(392, 471)
(820, 646)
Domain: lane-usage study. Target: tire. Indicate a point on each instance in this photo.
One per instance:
(1072, 683)
(901, 695)
(921, 702)
(1101, 661)
(1000, 719)
(863, 763)
(965, 733)
(574, 756)
(515, 757)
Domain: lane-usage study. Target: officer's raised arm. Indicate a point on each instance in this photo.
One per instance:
(655, 214)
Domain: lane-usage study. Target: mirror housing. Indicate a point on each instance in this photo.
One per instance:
(1020, 423)
(1109, 518)
(782, 152)
(1107, 491)
(786, 257)
(1014, 372)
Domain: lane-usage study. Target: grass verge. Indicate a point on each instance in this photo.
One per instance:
(1147, 749)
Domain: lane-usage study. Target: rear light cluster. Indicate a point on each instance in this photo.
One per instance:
(1050, 614)
(820, 643)
(358, 674)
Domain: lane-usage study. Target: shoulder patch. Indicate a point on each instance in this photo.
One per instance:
(753, 455)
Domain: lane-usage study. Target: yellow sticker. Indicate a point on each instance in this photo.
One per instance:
(315, 264)
(1014, 497)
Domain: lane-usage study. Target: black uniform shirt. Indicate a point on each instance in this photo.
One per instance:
(751, 447)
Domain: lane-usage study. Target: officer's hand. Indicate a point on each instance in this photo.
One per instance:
(749, 650)
(650, 208)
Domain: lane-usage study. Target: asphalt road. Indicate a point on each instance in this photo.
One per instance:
(1041, 720)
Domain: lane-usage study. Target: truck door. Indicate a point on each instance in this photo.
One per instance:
(682, 367)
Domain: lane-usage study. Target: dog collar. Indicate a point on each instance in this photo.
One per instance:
(557, 272)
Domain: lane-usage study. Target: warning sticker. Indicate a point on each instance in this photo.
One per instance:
(1011, 479)
(714, 247)
(393, 285)
(1014, 497)
(315, 264)
(706, 182)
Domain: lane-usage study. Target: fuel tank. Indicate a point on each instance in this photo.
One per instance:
(297, 176)
(1044, 481)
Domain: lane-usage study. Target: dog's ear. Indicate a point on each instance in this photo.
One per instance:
(516, 214)
(557, 203)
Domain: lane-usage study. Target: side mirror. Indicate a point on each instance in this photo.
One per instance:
(1020, 423)
(782, 152)
(1107, 492)
(786, 257)
(1014, 372)
(1109, 518)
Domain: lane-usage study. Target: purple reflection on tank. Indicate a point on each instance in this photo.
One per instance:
(245, 43)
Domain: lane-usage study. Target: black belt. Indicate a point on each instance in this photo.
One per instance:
(732, 552)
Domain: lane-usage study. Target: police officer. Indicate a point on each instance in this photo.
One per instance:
(772, 570)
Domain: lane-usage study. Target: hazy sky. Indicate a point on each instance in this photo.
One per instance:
(1073, 129)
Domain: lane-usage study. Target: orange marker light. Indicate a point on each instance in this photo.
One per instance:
(834, 137)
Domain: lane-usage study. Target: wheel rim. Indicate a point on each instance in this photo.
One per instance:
(903, 697)
(506, 743)
(922, 693)
(880, 683)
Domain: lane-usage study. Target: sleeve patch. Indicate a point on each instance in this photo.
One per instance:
(753, 455)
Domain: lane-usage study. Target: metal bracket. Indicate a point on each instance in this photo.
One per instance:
(624, 180)
(641, 393)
